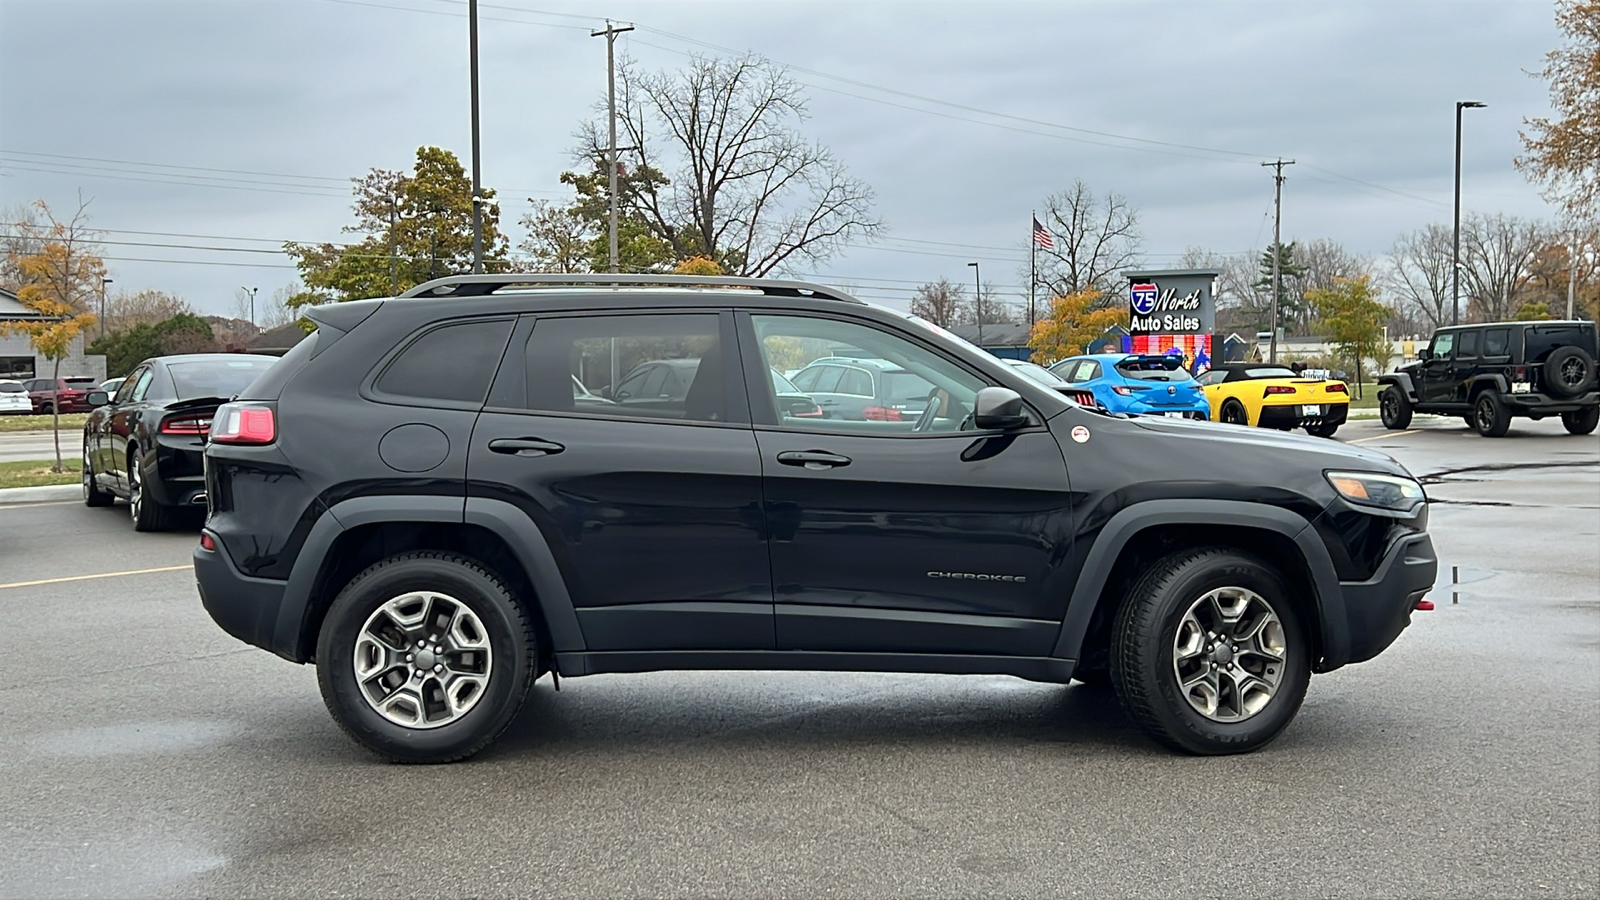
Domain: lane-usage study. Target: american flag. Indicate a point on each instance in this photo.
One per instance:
(1042, 237)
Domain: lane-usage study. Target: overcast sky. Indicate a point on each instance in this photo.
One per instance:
(239, 121)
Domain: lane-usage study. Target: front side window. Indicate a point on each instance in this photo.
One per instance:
(141, 388)
(453, 363)
(125, 390)
(1444, 344)
(918, 390)
(646, 366)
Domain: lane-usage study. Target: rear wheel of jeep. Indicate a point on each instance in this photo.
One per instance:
(1490, 417)
(1581, 421)
(425, 657)
(1208, 653)
(1394, 408)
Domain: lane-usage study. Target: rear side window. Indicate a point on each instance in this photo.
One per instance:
(1468, 348)
(1495, 341)
(452, 363)
(669, 366)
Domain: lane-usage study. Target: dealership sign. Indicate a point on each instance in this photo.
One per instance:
(1175, 301)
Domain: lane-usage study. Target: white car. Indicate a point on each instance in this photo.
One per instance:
(110, 386)
(14, 399)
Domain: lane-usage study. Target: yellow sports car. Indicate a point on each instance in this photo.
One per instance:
(1275, 397)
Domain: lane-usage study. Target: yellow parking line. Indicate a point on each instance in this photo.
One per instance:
(17, 584)
(1356, 441)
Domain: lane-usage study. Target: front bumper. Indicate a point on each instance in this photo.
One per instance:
(1378, 609)
(1286, 416)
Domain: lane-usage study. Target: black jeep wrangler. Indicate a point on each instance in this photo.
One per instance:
(1488, 373)
(440, 497)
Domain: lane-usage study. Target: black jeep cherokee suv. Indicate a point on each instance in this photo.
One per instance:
(438, 498)
(1488, 373)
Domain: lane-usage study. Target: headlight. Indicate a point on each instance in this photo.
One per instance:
(1372, 489)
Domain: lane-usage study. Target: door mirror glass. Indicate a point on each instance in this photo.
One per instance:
(999, 408)
(1424, 354)
(97, 398)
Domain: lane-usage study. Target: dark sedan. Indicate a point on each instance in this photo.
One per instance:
(147, 444)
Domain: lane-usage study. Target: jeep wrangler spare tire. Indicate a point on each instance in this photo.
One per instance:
(1569, 372)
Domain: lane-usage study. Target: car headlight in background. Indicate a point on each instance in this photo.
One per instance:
(1393, 492)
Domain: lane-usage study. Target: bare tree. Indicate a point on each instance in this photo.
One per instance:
(1419, 273)
(743, 187)
(145, 307)
(1241, 303)
(558, 238)
(940, 302)
(988, 309)
(1498, 255)
(20, 236)
(1095, 238)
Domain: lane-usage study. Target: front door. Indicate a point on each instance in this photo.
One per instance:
(652, 510)
(920, 535)
(1438, 373)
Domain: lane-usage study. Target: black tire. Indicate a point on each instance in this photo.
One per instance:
(1233, 413)
(1323, 431)
(46, 409)
(1490, 417)
(511, 669)
(147, 513)
(92, 495)
(1146, 677)
(1394, 408)
(1581, 421)
(1568, 372)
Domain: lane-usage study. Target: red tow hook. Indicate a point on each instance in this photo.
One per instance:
(1424, 605)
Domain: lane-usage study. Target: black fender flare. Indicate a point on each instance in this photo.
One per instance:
(1496, 380)
(1108, 545)
(1401, 380)
(507, 522)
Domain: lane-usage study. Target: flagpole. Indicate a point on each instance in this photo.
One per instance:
(1033, 256)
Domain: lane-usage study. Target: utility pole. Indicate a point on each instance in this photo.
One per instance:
(1572, 275)
(252, 293)
(977, 300)
(610, 33)
(1277, 246)
(477, 180)
(394, 270)
(105, 281)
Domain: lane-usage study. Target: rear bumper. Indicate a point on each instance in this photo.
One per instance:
(1293, 416)
(1378, 609)
(1542, 403)
(244, 607)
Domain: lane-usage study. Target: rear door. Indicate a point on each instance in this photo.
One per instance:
(652, 510)
(909, 535)
(1466, 363)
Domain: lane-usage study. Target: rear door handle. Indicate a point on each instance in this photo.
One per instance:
(525, 446)
(813, 459)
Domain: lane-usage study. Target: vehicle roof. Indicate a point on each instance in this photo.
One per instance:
(201, 357)
(862, 361)
(1540, 323)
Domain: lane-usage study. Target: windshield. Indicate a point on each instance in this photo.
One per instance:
(1036, 372)
(1154, 368)
(224, 376)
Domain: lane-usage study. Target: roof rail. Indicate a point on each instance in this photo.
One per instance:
(483, 285)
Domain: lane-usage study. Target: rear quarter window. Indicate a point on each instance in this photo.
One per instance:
(452, 363)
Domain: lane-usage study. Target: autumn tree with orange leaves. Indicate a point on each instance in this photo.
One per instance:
(1563, 154)
(1073, 323)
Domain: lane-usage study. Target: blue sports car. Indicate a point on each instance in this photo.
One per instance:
(1131, 383)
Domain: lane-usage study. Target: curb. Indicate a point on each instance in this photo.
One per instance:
(49, 493)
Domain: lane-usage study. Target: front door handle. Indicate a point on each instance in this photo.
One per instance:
(813, 459)
(525, 446)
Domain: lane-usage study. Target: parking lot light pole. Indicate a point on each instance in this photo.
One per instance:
(104, 281)
(977, 300)
(252, 293)
(1455, 253)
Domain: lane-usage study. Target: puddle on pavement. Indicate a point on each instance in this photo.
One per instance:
(137, 738)
(103, 866)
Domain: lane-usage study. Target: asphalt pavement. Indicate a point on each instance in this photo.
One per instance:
(147, 753)
(20, 445)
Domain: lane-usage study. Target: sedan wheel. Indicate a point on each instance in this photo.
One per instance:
(92, 495)
(148, 514)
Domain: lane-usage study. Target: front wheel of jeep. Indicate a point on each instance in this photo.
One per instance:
(1208, 652)
(425, 657)
(1394, 408)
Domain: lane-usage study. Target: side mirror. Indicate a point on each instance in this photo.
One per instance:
(999, 408)
(1424, 354)
(97, 398)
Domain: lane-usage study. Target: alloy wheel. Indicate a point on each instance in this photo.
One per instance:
(1573, 373)
(1229, 654)
(422, 660)
(88, 476)
(135, 489)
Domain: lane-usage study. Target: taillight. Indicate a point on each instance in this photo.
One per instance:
(1122, 389)
(207, 542)
(815, 412)
(1337, 388)
(186, 425)
(1278, 389)
(880, 414)
(243, 423)
(1519, 373)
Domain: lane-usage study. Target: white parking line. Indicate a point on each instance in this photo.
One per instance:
(1382, 436)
